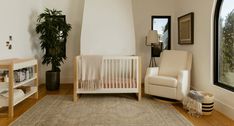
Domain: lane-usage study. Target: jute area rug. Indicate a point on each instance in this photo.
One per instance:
(101, 110)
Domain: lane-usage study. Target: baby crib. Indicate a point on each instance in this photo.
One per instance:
(120, 74)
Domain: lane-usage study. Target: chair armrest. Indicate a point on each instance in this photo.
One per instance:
(152, 71)
(183, 84)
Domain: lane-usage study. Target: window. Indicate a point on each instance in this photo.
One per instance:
(163, 26)
(224, 44)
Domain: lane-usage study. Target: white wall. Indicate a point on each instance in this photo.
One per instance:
(143, 10)
(17, 19)
(202, 71)
(108, 28)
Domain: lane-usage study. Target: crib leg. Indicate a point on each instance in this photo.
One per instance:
(139, 96)
(75, 97)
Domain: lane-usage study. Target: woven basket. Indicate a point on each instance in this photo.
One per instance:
(208, 103)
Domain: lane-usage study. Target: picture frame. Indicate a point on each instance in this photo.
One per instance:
(186, 29)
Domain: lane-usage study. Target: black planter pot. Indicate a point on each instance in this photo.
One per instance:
(52, 80)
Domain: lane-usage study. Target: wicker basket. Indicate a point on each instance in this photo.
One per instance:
(208, 103)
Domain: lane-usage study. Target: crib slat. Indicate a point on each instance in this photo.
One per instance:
(102, 75)
(137, 74)
(130, 74)
(123, 77)
(116, 73)
(130, 62)
(120, 65)
(122, 73)
(109, 73)
(105, 71)
(112, 73)
(111, 85)
(127, 71)
(126, 74)
(134, 72)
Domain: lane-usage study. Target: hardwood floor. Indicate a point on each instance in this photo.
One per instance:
(216, 119)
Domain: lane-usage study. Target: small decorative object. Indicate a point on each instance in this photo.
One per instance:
(25, 89)
(8, 43)
(152, 40)
(19, 75)
(30, 70)
(207, 103)
(6, 78)
(53, 31)
(199, 103)
(23, 74)
(186, 29)
(1, 76)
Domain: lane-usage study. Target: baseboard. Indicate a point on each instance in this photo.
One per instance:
(221, 107)
(224, 108)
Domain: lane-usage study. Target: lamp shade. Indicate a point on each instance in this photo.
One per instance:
(152, 37)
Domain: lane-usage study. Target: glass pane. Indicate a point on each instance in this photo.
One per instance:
(161, 25)
(226, 43)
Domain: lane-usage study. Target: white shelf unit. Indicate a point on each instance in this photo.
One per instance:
(15, 64)
(28, 94)
(25, 82)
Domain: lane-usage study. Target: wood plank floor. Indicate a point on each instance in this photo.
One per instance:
(216, 119)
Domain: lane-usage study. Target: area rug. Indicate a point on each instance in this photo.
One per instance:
(100, 110)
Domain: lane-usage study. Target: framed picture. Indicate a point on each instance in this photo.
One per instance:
(186, 29)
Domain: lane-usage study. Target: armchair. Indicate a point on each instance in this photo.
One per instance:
(172, 78)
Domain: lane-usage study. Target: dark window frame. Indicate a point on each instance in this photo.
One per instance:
(216, 47)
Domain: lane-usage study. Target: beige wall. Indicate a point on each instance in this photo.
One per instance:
(202, 50)
(108, 28)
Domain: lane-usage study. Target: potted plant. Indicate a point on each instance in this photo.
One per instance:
(53, 31)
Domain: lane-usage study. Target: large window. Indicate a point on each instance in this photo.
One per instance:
(224, 44)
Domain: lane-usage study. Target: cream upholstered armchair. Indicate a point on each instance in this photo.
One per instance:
(172, 78)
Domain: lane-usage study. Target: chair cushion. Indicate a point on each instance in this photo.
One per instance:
(163, 81)
(172, 62)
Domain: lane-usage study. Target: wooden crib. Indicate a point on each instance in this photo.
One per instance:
(121, 74)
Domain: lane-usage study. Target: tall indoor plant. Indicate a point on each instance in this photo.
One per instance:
(53, 31)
